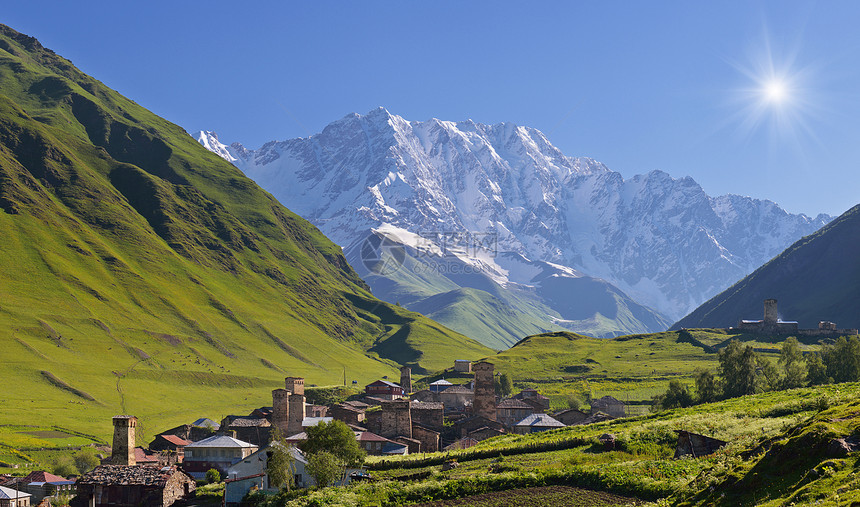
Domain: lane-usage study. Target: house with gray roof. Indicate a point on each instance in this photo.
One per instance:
(218, 452)
(535, 423)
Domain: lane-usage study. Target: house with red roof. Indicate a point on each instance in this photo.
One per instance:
(169, 443)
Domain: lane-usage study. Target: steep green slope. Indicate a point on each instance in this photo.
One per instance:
(815, 279)
(478, 313)
(134, 265)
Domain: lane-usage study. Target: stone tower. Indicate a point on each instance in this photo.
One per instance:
(296, 387)
(406, 379)
(484, 402)
(770, 316)
(396, 419)
(122, 452)
(281, 411)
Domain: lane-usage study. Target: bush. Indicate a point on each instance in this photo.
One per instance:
(213, 476)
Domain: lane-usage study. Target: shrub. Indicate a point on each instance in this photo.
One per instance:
(213, 476)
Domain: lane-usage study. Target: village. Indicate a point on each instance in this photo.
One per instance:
(388, 419)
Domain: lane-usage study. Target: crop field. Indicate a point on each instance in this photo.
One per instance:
(560, 496)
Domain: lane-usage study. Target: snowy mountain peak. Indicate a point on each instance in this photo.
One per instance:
(210, 140)
(661, 240)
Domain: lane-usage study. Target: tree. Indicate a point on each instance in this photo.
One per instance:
(767, 374)
(676, 396)
(324, 467)
(793, 365)
(816, 370)
(843, 359)
(706, 387)
(336, 438)
(64, 466)
(738, 369)
(85, 460)
(280, 464)
(506, 385)
(573, 401)
(213, 476)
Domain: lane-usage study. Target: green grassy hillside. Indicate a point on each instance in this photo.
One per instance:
(780, 451)
(815, 279)
(631, 368)
(140, 273)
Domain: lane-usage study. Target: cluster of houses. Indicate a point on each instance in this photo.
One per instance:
(390, 419)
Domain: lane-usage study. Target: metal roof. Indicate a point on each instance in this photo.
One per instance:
(219, 441)
(540, 420)
(11, 494)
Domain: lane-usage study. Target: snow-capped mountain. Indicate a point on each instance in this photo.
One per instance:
(661, 240)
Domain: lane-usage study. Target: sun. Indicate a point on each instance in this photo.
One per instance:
(775, 91)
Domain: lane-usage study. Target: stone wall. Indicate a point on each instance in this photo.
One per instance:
(395, 419)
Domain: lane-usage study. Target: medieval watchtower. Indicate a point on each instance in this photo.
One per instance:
(406, 379)
(122, 452)
(770, 314)
(281, 411)
(484, 402)
(296, 387)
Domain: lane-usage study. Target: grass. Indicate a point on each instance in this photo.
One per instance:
(631, 368)
(776, 454)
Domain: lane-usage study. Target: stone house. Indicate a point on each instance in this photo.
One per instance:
(14, 498)
(428, 414)
(129, 486)
(608, 405)
(512, 411)
(484, 433)
(249, 429)
(456, 398)
(535, 423)
(462, 366)
(539, 402)
(570, 416)
(466, 426)
(430, 439)
(218, 452)
(347, 413)
(425, 395)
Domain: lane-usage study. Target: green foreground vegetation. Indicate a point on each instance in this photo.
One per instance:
(783, 447)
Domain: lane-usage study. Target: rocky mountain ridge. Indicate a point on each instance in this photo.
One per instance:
(661, 240)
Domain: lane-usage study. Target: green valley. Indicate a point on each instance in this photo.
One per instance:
(139, 273)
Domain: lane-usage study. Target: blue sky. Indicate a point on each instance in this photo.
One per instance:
(676, 86)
